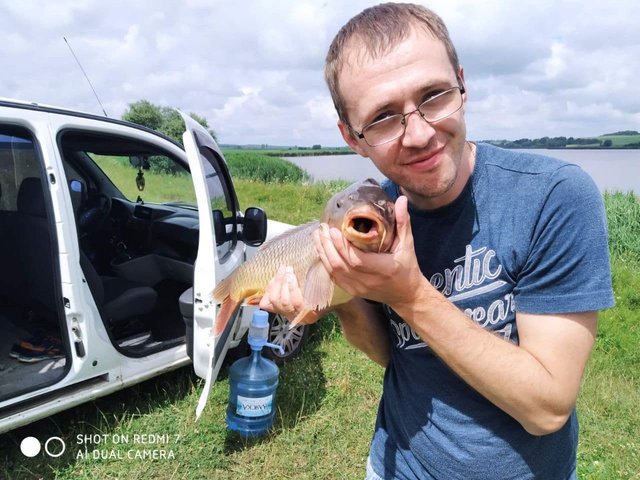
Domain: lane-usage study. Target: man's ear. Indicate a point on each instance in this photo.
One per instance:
(464, 84)
(461, 73)
(353, 142)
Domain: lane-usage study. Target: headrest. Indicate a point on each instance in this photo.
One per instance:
(31, 198)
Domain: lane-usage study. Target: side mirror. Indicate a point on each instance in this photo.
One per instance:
(254, 229)
(219, 228)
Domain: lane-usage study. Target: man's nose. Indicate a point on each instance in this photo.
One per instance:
(418, 132)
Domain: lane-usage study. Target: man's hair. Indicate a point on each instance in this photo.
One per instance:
(379, 29)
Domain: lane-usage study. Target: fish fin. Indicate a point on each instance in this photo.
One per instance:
(306, 317)
(225, 312)
(222, 290)
(253, 299)
(318, 287)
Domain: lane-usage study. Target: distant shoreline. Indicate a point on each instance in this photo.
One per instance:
(316, 153)
(635, 147)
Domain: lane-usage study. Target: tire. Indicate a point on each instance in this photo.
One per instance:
(291, 340)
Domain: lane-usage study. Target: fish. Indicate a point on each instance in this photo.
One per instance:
(362, 212)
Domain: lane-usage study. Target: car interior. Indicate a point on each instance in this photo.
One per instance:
(32, 352)
(136, 252)
(137, 249)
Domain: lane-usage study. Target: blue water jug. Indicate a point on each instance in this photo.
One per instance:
(253, 381)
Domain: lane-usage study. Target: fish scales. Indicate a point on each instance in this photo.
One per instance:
(292, 248)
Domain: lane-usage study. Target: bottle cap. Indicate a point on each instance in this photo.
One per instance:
(260, 318)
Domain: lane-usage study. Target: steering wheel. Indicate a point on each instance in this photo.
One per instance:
(93, 213)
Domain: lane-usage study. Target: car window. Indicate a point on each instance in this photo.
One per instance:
(18, 160)
(156, 179)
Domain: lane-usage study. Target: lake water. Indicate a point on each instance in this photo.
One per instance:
(612, 170)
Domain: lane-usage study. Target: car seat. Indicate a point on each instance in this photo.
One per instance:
(117, 298)
(34, 249)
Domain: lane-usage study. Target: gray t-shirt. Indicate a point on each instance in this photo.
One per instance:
(528, 234)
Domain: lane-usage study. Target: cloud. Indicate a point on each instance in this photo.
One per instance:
(254, 69)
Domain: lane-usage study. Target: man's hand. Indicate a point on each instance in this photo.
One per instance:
(283, 295)
(389, 278)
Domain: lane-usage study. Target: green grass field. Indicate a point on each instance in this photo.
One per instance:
(621, 140)
(327, 397)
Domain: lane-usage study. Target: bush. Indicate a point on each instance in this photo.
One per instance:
(262, 168)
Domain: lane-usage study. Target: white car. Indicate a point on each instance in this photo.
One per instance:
(112, 238)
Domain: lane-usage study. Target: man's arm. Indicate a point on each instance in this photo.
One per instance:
(366, 327)
(536, 382)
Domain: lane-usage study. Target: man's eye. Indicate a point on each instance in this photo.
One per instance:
(382, 116)
(431, 95)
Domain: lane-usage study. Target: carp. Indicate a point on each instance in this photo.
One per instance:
(362, 212)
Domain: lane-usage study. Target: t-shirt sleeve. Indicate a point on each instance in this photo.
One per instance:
(567, 268)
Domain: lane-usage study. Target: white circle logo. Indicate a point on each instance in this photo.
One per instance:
(56, 451)
(30, 447)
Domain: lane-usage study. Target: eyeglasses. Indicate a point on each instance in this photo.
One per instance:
(432, 110)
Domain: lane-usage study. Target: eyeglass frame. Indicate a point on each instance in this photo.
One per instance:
(404, 116)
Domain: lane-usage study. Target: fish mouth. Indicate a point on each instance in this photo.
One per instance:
(365, 229)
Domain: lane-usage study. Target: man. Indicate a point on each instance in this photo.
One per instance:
(484, 314)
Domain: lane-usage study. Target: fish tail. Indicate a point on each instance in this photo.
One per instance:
(222, 294)
(224, 314)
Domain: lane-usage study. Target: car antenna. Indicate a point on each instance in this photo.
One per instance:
(85, 76)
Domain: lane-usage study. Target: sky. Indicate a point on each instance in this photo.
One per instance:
(253, 68)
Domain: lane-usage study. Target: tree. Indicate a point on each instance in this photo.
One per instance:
(165, 120)
(144, 113)
(607, 143)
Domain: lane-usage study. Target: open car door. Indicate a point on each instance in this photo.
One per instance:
(220, 250)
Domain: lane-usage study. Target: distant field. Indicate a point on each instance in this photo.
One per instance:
(292, 152)
(620, 140)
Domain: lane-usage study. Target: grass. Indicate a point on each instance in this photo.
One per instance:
(621, 140)
(327, 397)
(608, 403)
(263, 168)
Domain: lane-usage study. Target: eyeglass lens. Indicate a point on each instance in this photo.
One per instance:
(431, 110)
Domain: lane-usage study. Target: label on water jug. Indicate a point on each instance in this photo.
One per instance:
(254, 407)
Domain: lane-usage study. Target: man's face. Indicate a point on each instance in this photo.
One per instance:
(430, 162)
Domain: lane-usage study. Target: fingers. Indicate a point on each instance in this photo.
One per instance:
(283, 294)
(403, 222)
(334, 251)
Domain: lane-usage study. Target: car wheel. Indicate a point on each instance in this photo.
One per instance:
(290, 339)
